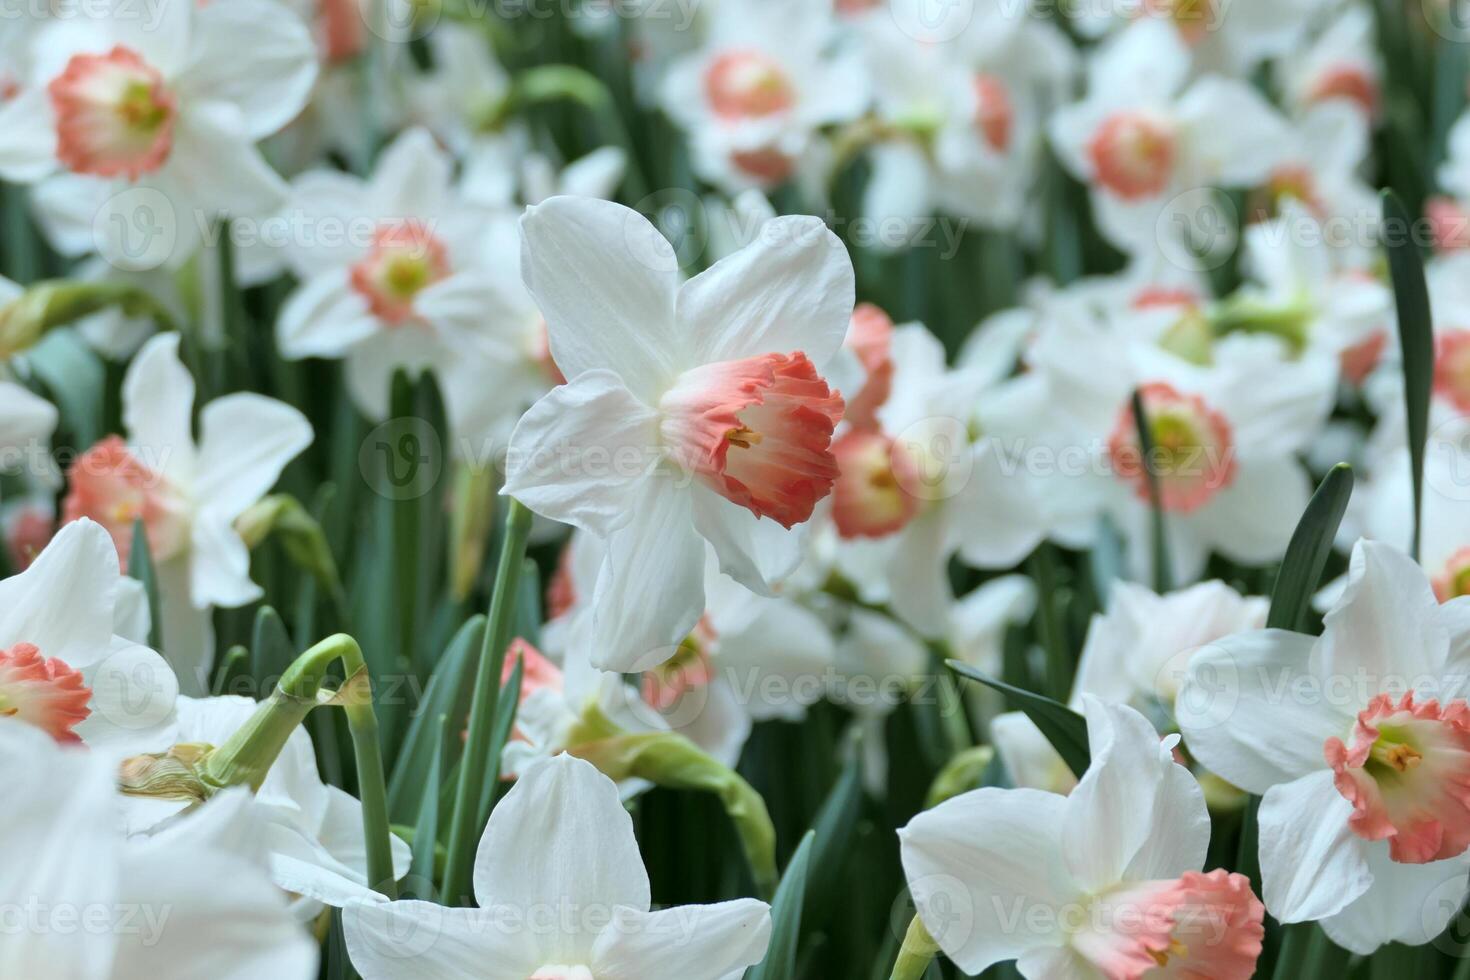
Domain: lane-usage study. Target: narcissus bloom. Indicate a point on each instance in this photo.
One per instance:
(694, 413)
(173, 102)
(192, 900)
(187, 494)
(1359, 743)
(563, 894)
(63, 669)
(311, 832)
(1103, 883)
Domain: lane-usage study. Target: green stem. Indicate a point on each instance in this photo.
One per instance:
(915, 953)
(463, 832)
(303, 679)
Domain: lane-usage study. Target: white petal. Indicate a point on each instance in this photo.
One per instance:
(756, 552)
(1236, 137)
(424, 941)
(977, 864)
(187, 630)
(560, 842)
(219, 565)
(25, 419)
(335, 203)
(1251, 520)
(918, 573)
(271, 83)
(158, 407)
(133, 695)
(412, 176)
(1312, 864)
(1252, 711)
(1387, 629)
(245, 441)
(63, 603)
(584, 453)
(27, 136)
(789, 290)
(324, 317)
(605, 279)
(650, 589)
(1406, 903)
(694, 942)
(215, 167)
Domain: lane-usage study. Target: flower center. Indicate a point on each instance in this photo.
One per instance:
(747, 85)
(114, 115)
(109, 485)
(404, 259)
(757, 431)
(1452, 368)
(45, 693)
(1289, 183)
(1346, 81)
(1193, 448)
(869, 499)
(768, 165)
(690, 667)
(1198, 925)
(995, 117)
(1454, 581)
(1134, 154)
(1407, 775)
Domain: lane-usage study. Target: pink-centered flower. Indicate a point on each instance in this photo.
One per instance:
(743, 84)
(995, 114)
(114, 115)
(871, 498)
(694, 413)
(1358, 742)
(1454, 581)
(109, 485)
(404, 259)
(1103, 883)
(45, 693)
(1133, 153)
(1193, 452)
(870, 338)
(1452, 369)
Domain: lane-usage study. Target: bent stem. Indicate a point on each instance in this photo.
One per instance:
(670, 760)
(915, 954)
(302, 680)
(463, 829)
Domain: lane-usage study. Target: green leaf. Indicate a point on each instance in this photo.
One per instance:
(140, 568)
(834, 826)
(505, 716)
(235, 662)
(76, 378)
(1306, 555)
(1163, 570)
(426, 830)
(780, 961)
(1307, 952)
(1416, 337)
(446, 695)
(1064, 728)
(271, 649)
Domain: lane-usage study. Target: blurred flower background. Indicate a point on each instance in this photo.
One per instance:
(780, 489)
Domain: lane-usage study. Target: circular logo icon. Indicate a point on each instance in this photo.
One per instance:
(1447, 459)
(1207, 693)
(141, 688)
(396, 930)
(679, 234)
(932, 21)
(136, 230)
(1198, 230)
(932, 458)
(401, 21)
(402, 459)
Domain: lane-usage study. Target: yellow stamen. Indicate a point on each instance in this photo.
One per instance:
(743, 437)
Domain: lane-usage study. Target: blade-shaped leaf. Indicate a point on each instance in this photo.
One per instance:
(1064, 728)
(786, 909)
(1416, 338)
(271, 649)
(1307, 553)
(1163, 570)
(140, 568)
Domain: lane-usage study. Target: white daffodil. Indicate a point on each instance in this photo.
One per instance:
(190, 901)
(562, 893)
(166, 107)
(63, 667)
(694, 413)
(752, 98)
(393, 281)
(1359, 744)
(1105, 882)
(187, 494)
(1225, 436)
(1340, 64)
(1150, 152)
(311, 832)
(967, 113)
(930, 478)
